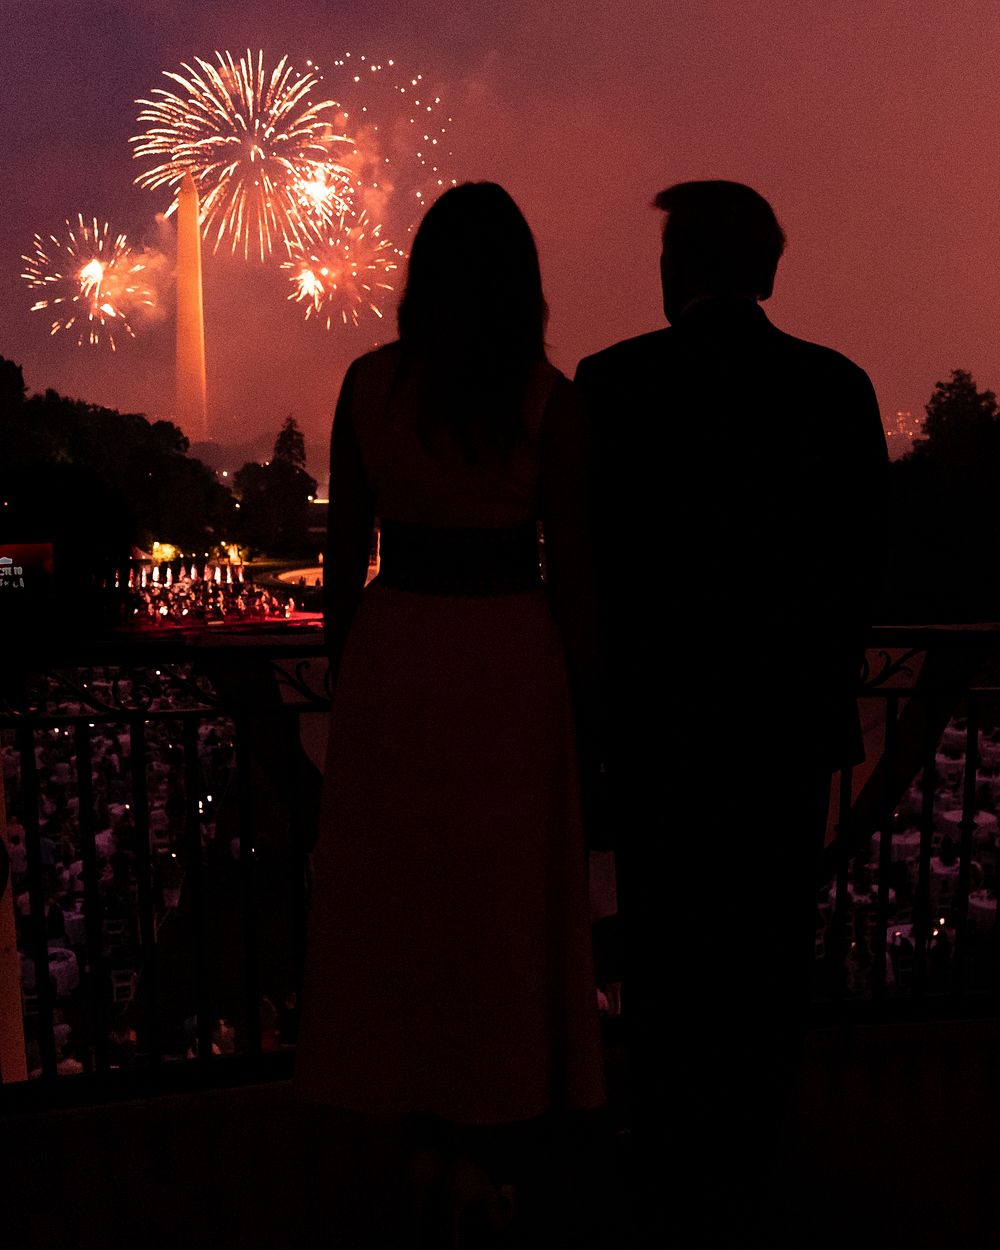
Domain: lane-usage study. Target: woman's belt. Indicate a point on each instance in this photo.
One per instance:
(451, 560)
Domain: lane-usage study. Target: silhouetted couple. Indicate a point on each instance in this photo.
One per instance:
(685, 664)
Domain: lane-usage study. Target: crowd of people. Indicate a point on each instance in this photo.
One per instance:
(62, 883)
(863, 913)
(62, 864)
(212, 598)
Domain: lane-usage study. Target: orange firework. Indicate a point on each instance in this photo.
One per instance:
(322, 198)
(393, 167)
(400, 146)
(251, 140)
(343, 277)
(91, 280)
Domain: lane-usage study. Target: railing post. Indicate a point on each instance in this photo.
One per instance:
(885, 851)
(922, 901)
(248, 885)
(36, 893)
(13, 1061)
(144, 890)
(195, 873)
(96, 981)
(960, 909)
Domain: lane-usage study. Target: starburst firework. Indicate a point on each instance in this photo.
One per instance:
(252, 140)
(343, 277)
(323, 197)
(91, 281)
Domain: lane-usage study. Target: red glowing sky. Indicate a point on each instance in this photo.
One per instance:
(870, 126)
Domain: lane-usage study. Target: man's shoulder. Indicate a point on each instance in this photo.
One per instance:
(379, 358)
(626, 354)
(816, 358)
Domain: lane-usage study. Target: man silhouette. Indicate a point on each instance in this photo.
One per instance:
(739, 486)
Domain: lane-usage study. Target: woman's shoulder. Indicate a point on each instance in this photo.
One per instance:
(555, 390)
(369, 380)
(546, 382)
(548, 373)
(382, 361)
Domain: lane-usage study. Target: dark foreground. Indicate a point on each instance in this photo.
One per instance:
(900, 1142)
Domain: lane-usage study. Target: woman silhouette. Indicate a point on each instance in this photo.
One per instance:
(449, 967)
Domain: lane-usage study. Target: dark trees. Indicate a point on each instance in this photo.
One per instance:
(290, 445)
(944, 522)
(11, 386)
(275, 497)
(139, 469)
(961, 425)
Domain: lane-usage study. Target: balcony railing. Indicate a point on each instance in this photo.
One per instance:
(906, 922)
(162, 799)
(160, 805)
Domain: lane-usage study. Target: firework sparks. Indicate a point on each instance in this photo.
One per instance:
(399, 129)
(344, 277)
(252, 142)
(323, 196)
(276, 168)
(394, 167)
(90, 280)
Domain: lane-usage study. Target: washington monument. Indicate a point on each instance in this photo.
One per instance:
(191, 410)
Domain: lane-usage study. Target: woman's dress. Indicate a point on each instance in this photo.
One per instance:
(449, 961)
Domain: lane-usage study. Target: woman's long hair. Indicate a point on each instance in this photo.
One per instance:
(474, 315)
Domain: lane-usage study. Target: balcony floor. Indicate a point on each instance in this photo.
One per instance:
(900, 1147)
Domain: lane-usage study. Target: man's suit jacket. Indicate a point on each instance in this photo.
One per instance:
(739, 494)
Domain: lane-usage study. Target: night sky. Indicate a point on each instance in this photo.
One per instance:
(871, 127)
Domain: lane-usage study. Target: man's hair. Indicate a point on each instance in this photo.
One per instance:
(724, 235)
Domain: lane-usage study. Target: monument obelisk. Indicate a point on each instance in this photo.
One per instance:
(191, 410)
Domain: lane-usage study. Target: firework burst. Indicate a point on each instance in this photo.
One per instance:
(90, 280)
(344, 277)
(252, 141)
(399, 130)
(323, 197)
(395, 166)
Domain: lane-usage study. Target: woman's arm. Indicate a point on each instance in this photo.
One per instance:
(350, 519)
(566, 515)
(565, 508)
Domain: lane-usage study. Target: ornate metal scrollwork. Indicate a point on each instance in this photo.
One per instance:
(297, 680)
(889, 668)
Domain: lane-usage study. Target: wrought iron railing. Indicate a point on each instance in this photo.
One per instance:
(162, 799)
(907, 916)
(160, 806)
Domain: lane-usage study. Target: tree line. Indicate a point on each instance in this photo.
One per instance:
(940, 561)
(100, 483)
